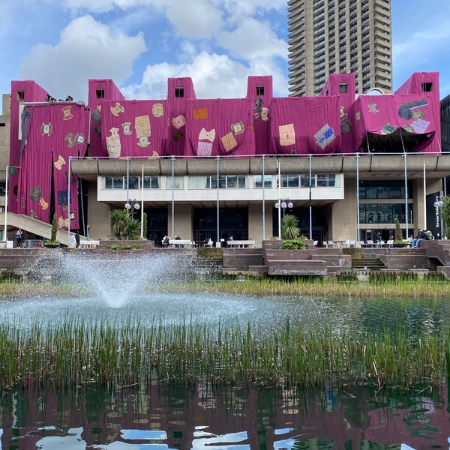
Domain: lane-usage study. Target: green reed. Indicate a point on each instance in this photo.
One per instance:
(121, 353)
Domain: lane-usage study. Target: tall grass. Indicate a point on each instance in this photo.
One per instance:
(77, 352)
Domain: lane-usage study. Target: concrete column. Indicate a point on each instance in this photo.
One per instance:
(98, 215)
(343, 225)
(255, 225)
(183, 224)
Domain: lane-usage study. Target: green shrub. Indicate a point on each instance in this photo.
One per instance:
(294, 244)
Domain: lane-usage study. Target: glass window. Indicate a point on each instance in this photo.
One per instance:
(151, 182)
(242, 182)
(290, 181)
(305, 181)
(232, 182)
(199, 182)
(114, 183)
(178, 182)
(326, 180)
(383, 213)
(133, 183)
(257, 181)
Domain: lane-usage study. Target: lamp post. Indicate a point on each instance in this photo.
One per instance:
(131, 206)
(282, 205)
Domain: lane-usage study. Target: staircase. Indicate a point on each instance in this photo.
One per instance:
(367, 264)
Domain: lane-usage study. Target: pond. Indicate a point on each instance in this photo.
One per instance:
(158, 416)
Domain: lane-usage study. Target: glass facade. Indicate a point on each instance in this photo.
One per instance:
(134, 183)
(383, 213)
(380, 189)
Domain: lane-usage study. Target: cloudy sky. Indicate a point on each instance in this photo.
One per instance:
(218, 43)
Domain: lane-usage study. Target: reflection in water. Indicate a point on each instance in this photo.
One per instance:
(227, 419)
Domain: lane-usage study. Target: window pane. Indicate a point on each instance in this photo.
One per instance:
(232, 182)
(257, 181)
(199, 182)
(133, 182)
(178, 182)
(242, 182)
(108, 182)
(151, 182)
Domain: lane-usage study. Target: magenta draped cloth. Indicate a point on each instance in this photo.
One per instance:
(57, 132)
(306, 125)
(135, 128)
(386, 114)
(221, 127)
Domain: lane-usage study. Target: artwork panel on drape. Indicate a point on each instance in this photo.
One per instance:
(306, 125)
(57, 131)
(135, 128)
(220, 127)
(35, 183)
(100, 90)
(202, 117)
(179, 91)
(385, 114)
(30, 91)
(235, 128)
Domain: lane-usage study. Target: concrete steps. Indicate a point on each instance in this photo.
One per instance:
(368, 264)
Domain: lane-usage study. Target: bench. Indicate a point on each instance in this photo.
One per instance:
(241, 244)
(179, 242)
(89, 244)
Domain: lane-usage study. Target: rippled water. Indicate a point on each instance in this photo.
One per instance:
(159, 417)
(234, 419)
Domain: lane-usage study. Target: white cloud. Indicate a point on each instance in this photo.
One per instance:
(213, 75)
(87, 49)
(253, 40)
(198, 19)
(98, 6)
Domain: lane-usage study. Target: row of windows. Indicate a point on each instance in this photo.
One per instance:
(382, 213)
(384, 189)
(223, 182)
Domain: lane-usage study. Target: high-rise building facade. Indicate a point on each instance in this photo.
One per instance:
(339, 36)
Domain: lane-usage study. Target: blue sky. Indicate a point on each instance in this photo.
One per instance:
(218, 43)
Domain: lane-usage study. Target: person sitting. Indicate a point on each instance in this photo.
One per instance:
(423, 236)
(165, 241)
(231, 242)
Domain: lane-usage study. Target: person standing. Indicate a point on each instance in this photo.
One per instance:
(77, 239)
(19, 238)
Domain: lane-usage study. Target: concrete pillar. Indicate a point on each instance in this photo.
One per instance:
(183, 221)
(255, 222)
(98, 215)
(343, 225)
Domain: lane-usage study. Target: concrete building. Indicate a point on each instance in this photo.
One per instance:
(344, 166)
(339, 36)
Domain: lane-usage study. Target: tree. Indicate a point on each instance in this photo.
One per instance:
(54, 229)
(289, 227)
(398, 231)
(132, 229)
(445, 214)
(118, 219)
(123, 225)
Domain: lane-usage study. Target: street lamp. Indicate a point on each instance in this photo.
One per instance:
(282, 202)
(131, 206)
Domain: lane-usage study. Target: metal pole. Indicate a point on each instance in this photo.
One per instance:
(128, 178)
(406, 197)
(68, 203)
(5, 237)
(217, 203)
(264, 199)
(357, 197)
(173, 198)
(142, 203)
(310, 199)
(279, 199)
(424, 199)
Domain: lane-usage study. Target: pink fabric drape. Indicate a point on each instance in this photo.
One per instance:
(135, 128)
(306, 125)
(385, 114)
(57, 132)
(220, 127)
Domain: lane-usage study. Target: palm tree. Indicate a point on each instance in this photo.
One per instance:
(132, 229)
(289, 227)
(119, 219)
